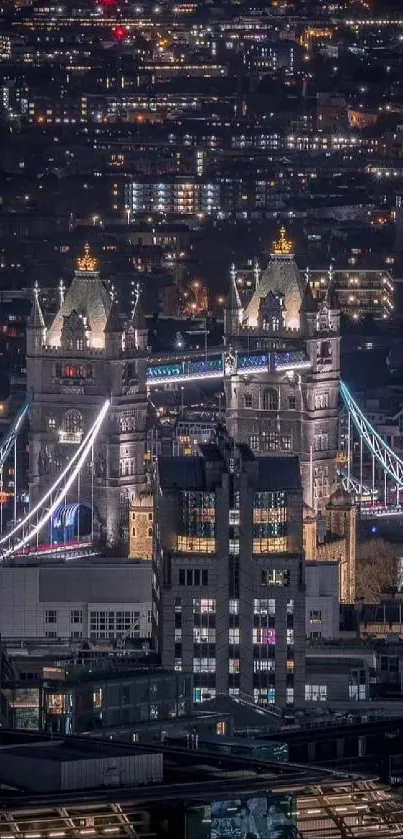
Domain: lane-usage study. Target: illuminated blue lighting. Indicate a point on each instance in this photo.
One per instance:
(252, 361)
(67, 521)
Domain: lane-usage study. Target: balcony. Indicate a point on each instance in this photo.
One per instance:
(72, 437)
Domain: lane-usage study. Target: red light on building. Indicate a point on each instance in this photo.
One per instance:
(120, 33)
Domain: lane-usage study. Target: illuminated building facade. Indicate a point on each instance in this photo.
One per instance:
(86, 355)
(180, 196)
(358, 293)
(292, 407)
(229, 568)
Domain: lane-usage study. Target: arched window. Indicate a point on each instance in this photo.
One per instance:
(73, 421)
(325, 351)
(270, 400)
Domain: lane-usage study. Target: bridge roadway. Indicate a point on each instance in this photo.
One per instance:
(214, 364)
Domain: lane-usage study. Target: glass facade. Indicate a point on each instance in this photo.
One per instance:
(204, 649)
(197, 527)
(264, 641)
(270, 522)
(75, 706)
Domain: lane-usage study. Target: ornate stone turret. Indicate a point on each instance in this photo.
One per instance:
(89, 298)
(283, 279)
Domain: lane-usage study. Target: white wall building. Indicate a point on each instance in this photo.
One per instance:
(89, 599)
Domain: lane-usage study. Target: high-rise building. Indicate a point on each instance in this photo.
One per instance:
(287, 400)
(86, 355)
(229, 572)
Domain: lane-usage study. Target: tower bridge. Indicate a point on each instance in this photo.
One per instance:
(90, 373)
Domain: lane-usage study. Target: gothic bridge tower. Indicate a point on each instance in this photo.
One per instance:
(293, 407)
(86, 355)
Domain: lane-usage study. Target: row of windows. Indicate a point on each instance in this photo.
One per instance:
(204, 605)
(106, 624)
(73, 371)
(271, 441)
(193, 577)
(315, 693)
(76, 616)
(269, 402)
(72, 422)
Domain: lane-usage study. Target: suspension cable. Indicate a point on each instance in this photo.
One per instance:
(62, 494)
(379, 448)
(58, 481)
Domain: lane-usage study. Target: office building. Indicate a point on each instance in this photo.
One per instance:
(229, 572)
(96, 600)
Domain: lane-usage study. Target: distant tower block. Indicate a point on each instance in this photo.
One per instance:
(399, 225)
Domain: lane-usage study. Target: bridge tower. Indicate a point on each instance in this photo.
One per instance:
(85, 355)
(286, 410)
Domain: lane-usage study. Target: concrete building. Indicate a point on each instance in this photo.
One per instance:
(322, 607)
(294, 406)
(229, 571)
(86, 355)
(99, 600)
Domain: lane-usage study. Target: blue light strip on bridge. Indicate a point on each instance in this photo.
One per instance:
(214, 367)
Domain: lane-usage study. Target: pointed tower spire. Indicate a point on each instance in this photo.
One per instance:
(36, 329)
(36, 319)
(234, 298)
(234, 309)
(62, 289)
(139, 321)
(308, 304)
(256, 273)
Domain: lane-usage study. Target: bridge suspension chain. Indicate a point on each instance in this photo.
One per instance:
(378, 447)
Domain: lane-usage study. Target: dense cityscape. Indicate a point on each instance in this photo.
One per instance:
(201, 419)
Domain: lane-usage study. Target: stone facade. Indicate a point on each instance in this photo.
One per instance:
(85, 356)
(141, 526)
(339, 544)
(291, 408)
